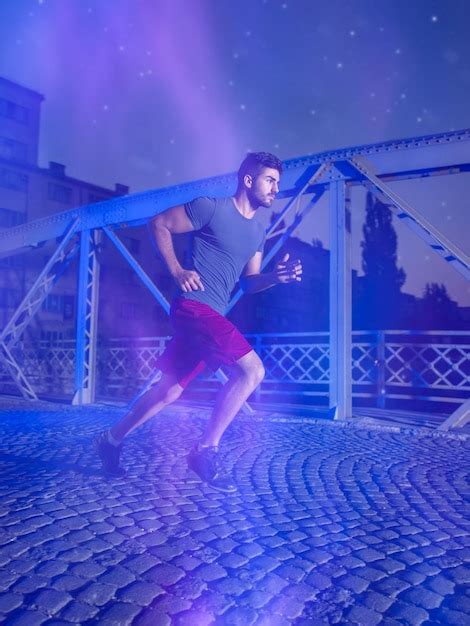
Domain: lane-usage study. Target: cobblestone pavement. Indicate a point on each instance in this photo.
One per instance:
(332, 524)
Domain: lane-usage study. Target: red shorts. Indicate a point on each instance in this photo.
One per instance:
(202, 337)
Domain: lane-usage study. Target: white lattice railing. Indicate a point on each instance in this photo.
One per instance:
(426, 365)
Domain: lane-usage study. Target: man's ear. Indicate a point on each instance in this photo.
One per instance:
(248, 180)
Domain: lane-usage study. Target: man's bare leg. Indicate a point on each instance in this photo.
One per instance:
(108, 443)
(164, 393)
(248, 375)
(203, 459)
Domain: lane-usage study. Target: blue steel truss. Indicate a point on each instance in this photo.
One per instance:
(87, 317)
(334, 171)
(11, 334)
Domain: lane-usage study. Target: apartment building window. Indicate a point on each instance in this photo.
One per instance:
(13, 150)
(10, 218)
(51, 335)
(69, 307)
(14, 111)
(60, 193)
(9, 298)
(16, 261)
(13, 180)
(54, 303)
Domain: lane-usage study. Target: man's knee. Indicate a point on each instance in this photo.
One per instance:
(171, 394)
(166, 392)
(252, 369)
(259, 374)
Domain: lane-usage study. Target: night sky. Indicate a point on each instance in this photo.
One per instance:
(151, 93)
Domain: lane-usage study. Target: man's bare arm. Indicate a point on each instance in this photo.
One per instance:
(174, 221)
(285, 271)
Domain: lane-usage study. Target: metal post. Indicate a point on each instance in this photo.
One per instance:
(87, 318)
(380, 369)
(340, 301)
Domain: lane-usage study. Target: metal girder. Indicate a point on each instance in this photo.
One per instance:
(15, 371)
(87, 318)
(340, 399)
(141, 273)
(127, 210)
(393, 145)
(312, 177)
(10, 335)
(414, 220)
(459, 417)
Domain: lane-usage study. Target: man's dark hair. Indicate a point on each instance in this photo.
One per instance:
(254, 162)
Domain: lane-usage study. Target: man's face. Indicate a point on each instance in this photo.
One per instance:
(263, 189)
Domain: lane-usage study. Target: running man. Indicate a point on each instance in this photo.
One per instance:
(228, 246)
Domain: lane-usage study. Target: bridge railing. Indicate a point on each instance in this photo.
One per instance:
(404, 366)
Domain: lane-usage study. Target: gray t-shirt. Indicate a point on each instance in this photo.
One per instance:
(223, 243)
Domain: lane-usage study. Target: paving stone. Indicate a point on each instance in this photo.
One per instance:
(354, 583)
(51, 601)
(460, 603)
(290, 572)
(239, 616)
(391, 586)
(193, 617)
(390, 566)
(362, 615)
(67, 583)
(442, 585)
(21, 566)
(164, 574)
(51, 568)
(459, 574)
(76, 555)
(7, 579)
(378, 602)
(234, 560)
(413, 577)
(141, 593)
(272, 583)
(171, 605)
(97, 593)
(119, 614)
(28, 618)
(211, 571)
(10, 601)
(142, 563)
(231, 586)
(28, 584)
(318, 581)
(250, 550)
(79, 612)
(407, 613)
(318, 556)
(422, 597)
(187, 562)
(255, 599)
(453, 618)
(287, 607)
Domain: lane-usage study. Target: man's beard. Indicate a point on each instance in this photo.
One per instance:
(256, 200)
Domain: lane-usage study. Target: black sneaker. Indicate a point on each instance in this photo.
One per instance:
(205, 463)
(109, 455)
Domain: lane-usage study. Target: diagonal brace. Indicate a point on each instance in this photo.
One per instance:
(10, 335)
(413, 219)
(319, 172)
